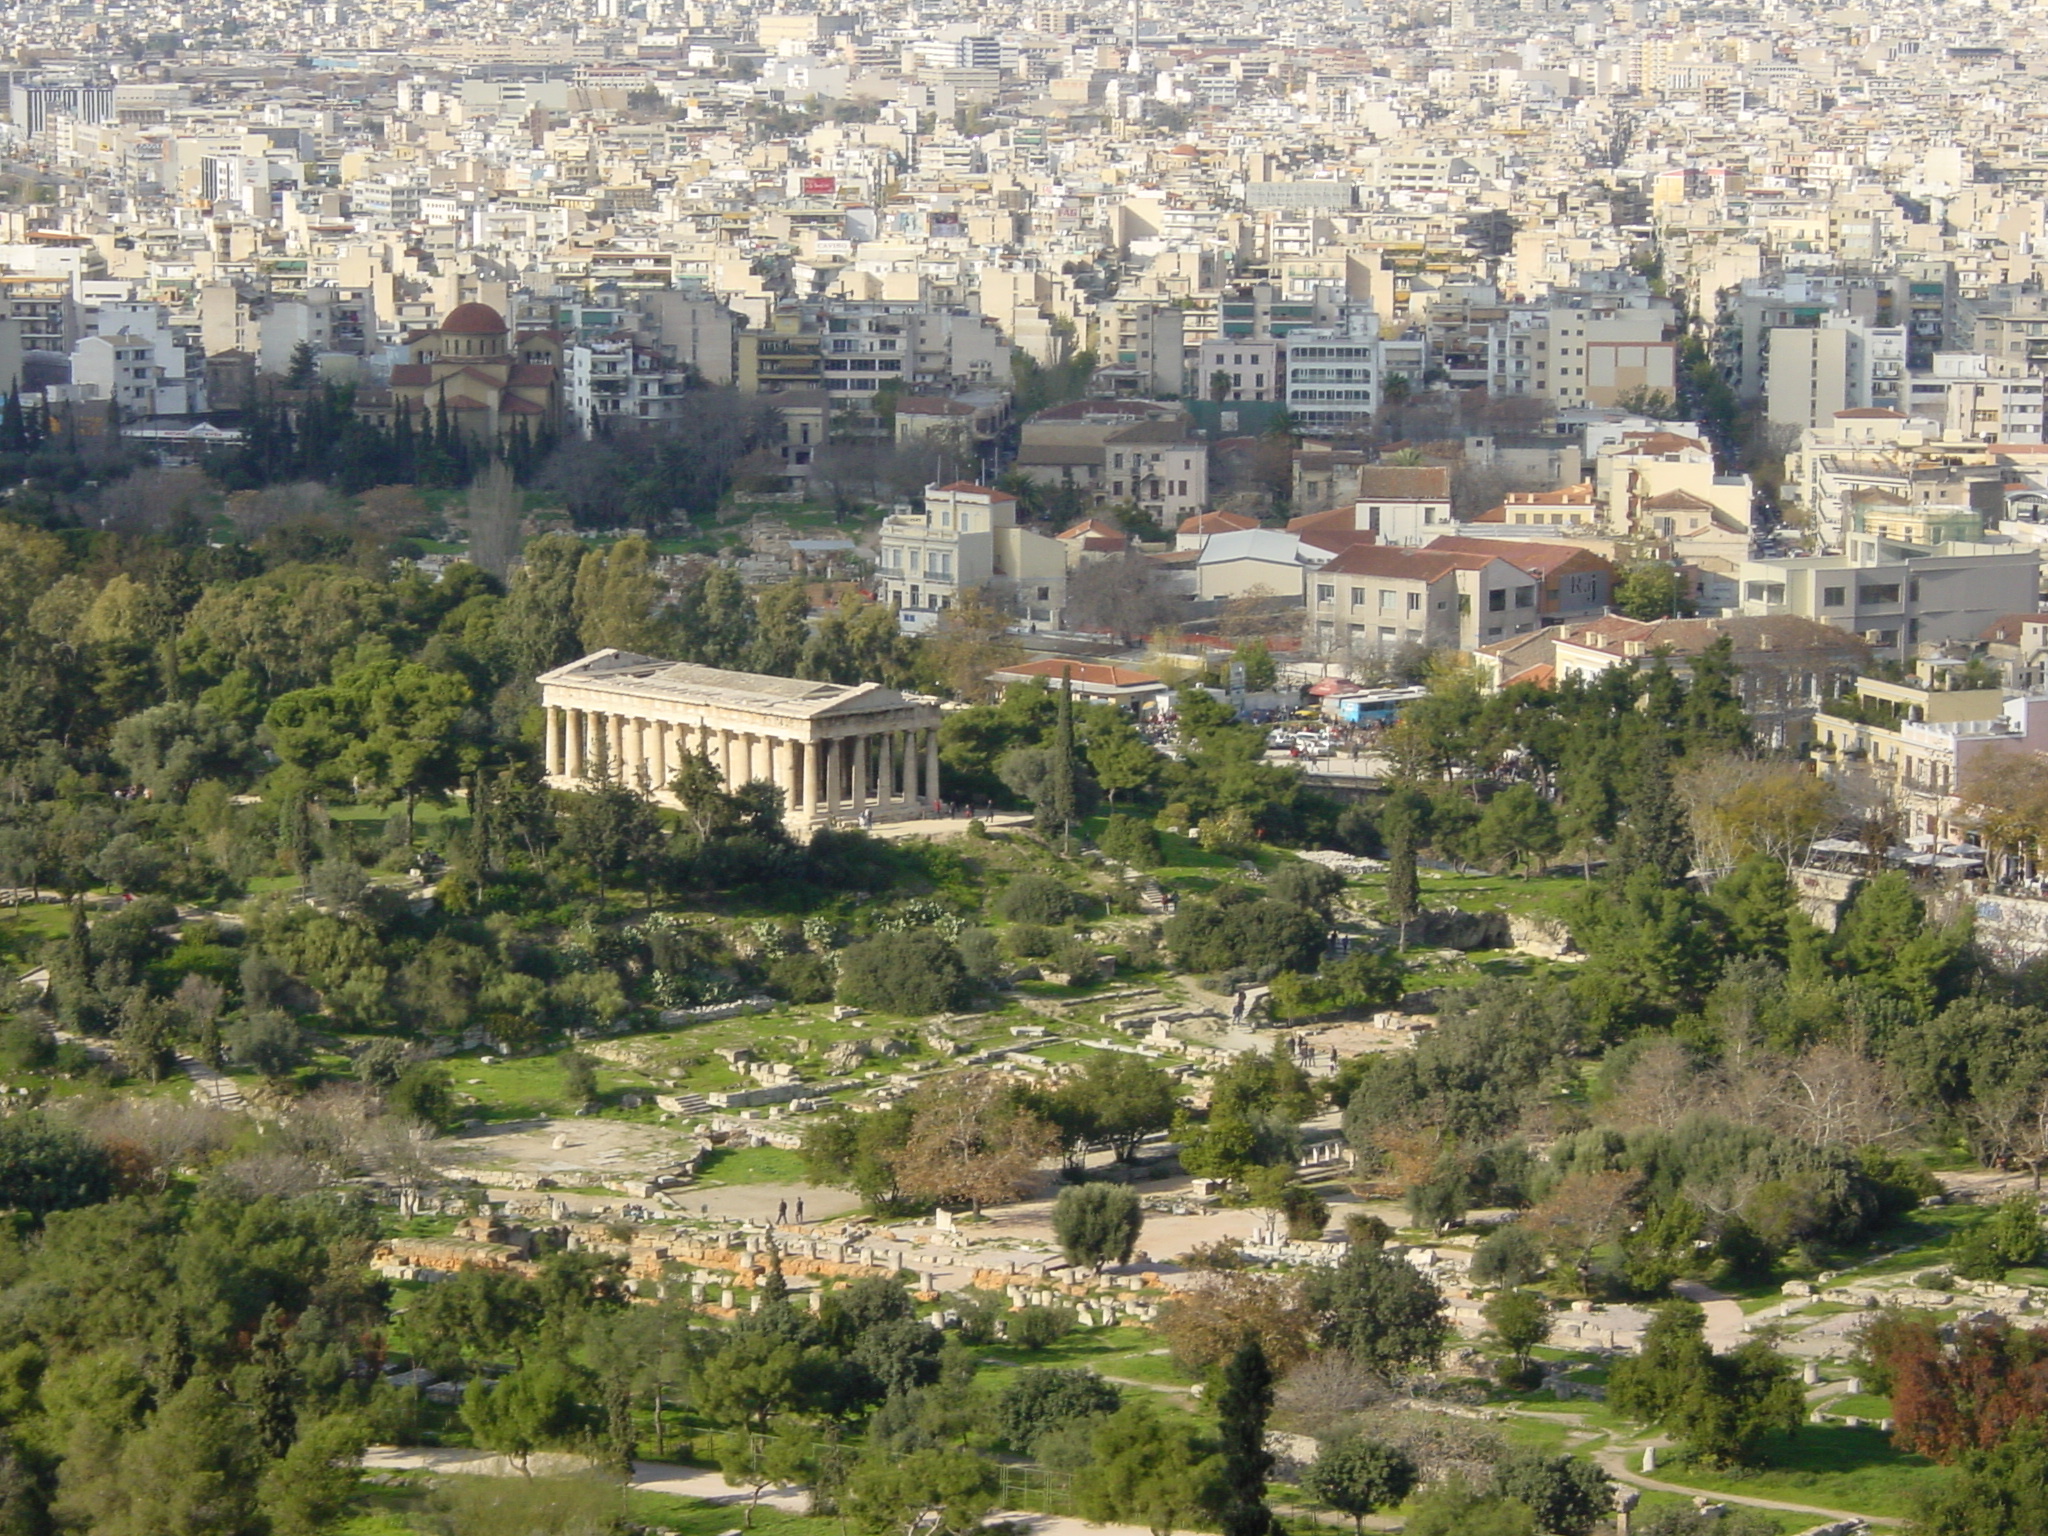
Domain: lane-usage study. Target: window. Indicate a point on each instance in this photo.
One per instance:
(1415, 602)
(1887, 592)
(1525, 597)
(1045, 594)
(1833, 597)
(1388, 599)
(1386, 634)
(1358, 597)
(1497, 600)
(1325, 594)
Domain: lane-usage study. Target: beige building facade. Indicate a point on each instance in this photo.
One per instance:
(840, 753)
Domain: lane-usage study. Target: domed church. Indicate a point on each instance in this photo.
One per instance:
(487, 378)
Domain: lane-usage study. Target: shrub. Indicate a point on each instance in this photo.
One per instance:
(1074, 957)
(1039, 1327)
(1035, 1403)
(269, 1042)
(424, 1093)
(1035, 899)
(982, 953)
(1305, 1212)
(913, 972)
(26, 1045)
(46, 1166)
(1364, 1230)
(1212, 936)
(800, 978)
(1097, 1224)
(1301, 883)
(1028, 941)
(1130, 841)
(1509, 1255)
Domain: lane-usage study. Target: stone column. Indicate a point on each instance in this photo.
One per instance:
(885, 777)
(658, 771)
(615, 759)
(724, 760)
(860, 772)
(791, 777)
(551, 739)
(831, 749)
(572, 743)
(931, 765)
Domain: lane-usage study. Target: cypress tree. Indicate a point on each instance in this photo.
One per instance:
(13, 424)
(1061, 799)
(277, 1420)
(1404, 887)
(1241, 1411)
(1653, 835)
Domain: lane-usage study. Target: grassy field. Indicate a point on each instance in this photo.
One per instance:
(1827, 1465)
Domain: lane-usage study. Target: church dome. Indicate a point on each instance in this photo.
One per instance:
(474, 320)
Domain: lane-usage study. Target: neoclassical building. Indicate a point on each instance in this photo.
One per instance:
(837, 752)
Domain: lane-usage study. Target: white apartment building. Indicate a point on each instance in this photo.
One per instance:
(118, 368)
(1576, 357)
(619, 381)
(1844, 363)
(1253, 367)
(1335, 375)
(1953, 595)
(966, 539)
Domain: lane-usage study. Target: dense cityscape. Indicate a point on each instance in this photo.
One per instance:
(934, 770)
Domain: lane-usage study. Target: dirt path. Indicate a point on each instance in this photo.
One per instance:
(1724, 1316)
(1613, 1462)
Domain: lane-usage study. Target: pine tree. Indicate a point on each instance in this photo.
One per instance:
(1241, 1411)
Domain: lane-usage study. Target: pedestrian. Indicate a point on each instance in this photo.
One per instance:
(800, 1206)
(782, 1214)
(1237, 1009)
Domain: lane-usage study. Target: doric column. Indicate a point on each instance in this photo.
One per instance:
(572, 743)
(885, 773)
(931, 765)
(551, 739)
(615, 755)
(860, 772)
(657, 770)
(832, 749)
(724, 761)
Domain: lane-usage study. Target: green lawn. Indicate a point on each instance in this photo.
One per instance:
(1827, 1465)
(753, 1165)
